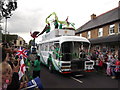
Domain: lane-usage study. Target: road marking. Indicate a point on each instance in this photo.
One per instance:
(79, 75)
(77, 80)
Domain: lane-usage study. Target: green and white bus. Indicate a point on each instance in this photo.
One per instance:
(61, 53)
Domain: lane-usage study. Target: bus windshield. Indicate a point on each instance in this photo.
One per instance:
(70, 50)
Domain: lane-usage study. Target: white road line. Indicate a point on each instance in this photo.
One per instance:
(79, 75)
(76, 80)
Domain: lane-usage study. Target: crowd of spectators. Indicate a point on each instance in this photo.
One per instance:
(107, 62)
(10, 65)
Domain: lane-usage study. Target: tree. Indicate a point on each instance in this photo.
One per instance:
(7, 6)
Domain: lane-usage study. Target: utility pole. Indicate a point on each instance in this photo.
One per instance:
(6, 27)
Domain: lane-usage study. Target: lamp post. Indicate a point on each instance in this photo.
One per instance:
(0, 34)
(6, 26)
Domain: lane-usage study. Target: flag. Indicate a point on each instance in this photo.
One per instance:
(34, 34)
(22, 53)
(22, 69)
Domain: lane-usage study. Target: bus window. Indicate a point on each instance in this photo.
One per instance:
(67, 49)
(56, 51)
(71, 50)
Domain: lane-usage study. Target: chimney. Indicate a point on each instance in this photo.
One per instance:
(93, 16)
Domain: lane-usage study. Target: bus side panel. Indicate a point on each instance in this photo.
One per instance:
(45, 55)
(56, 64)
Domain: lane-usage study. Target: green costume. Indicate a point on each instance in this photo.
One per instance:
(60, 27)
(56, 52)
(28, 64)
(48, 28)
(56, 24)
(36, 65)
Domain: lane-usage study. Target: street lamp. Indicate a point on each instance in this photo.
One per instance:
(6, 26)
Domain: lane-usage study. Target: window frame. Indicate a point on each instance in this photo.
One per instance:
(100, 32)
(112, 28)
(89, 34)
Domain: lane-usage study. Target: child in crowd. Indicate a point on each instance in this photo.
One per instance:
(6, 75)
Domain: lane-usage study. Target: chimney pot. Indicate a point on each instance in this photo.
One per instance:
(93, 16)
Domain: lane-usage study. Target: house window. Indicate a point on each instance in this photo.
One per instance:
(14, 41)
(88, 34)
(100, 32)
(112, 29)
(20, 42)
(80, 35)
(119, 28)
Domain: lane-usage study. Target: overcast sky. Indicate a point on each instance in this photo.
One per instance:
(31, 14)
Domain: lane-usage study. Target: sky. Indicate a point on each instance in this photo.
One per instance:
(31, 14)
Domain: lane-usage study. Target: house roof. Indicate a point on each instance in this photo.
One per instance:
(107, 39)
(103, 19)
